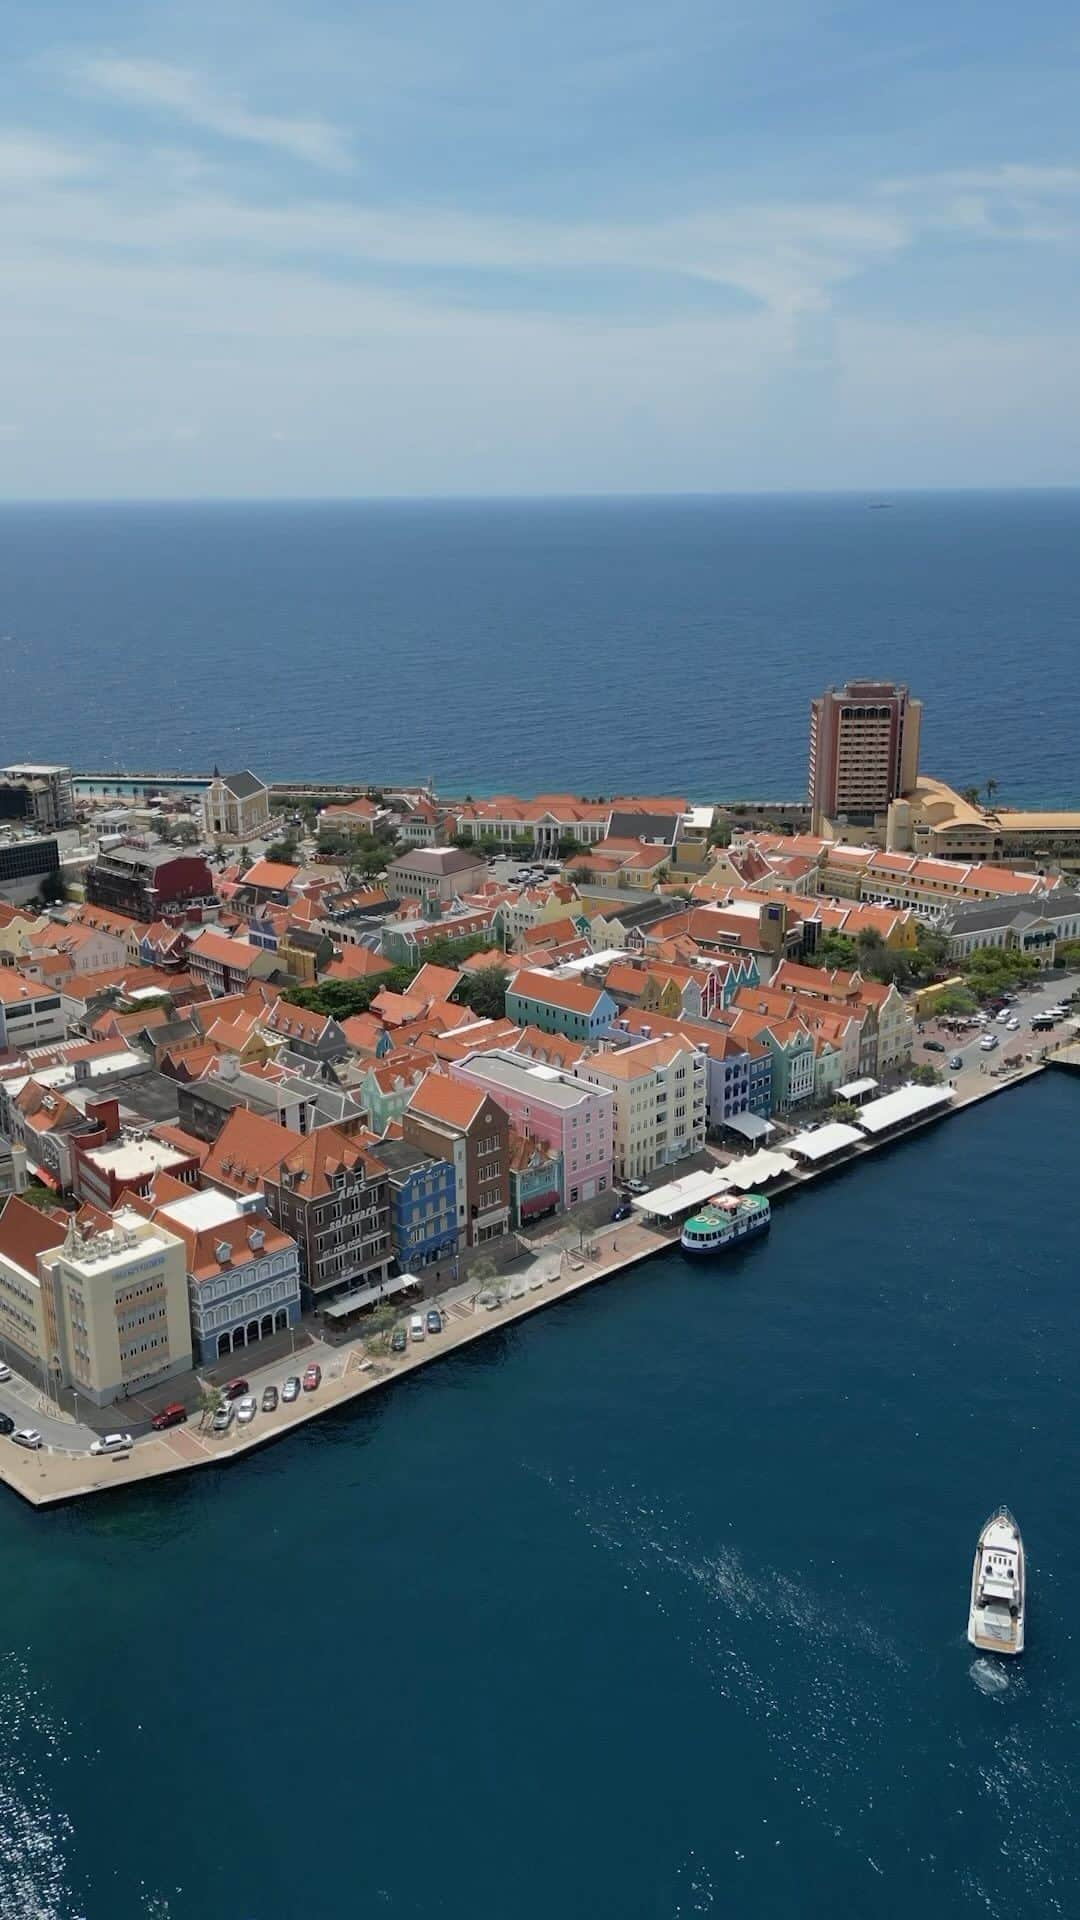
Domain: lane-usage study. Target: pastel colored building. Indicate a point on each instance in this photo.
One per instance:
(535, 999)
(660, 1101)
(243, 1272)
(559, 1110)
(100, 1309)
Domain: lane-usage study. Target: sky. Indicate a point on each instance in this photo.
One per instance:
(254, 249)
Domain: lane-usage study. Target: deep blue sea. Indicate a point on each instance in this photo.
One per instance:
(596, 646)
(651, 1608)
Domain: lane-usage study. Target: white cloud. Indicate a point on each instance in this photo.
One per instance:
(158, 87)
(26, 161)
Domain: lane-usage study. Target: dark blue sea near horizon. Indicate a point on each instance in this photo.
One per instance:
(651, 1607)
(596, 646)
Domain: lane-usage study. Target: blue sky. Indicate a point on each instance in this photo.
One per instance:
(254, 249)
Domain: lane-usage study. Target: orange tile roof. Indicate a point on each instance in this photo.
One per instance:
(315, 1158)
(25, 1232)
(219, 948)
(450, 1101)
(566, 994)
(247, 1147)
(274, 874)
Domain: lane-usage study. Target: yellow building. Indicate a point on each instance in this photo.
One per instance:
(102, 1310)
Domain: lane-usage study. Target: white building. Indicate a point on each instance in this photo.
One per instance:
(236, 806)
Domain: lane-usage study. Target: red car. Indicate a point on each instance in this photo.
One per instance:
(234, 1389)
(171, 1416)
(312, 1377)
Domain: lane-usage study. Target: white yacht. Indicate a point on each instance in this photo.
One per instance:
(998, 1581)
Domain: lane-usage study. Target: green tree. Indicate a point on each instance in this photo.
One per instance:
(990, 788)
(720, 833)
(283, 850)
(955, 1000)
(924, 1075)
(971, 795)
(844, 1111)
(208, 1402)
(568, 846)
(484, 991)
(52, 889)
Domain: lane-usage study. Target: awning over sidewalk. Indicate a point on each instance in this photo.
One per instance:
(856, 1089)
(750, 1125)
(364, 1296)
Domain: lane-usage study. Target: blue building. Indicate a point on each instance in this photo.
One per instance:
(423, 1206)
(243, 1273)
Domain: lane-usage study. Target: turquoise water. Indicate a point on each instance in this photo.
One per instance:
(600, 646)
(652, 1607)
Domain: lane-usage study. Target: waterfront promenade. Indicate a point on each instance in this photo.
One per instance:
(558, 1269)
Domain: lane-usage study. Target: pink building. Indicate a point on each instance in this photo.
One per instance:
(566, 1114)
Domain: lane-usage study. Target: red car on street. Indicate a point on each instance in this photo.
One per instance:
(234, 1388)
(312, 1377)
(171, 1416)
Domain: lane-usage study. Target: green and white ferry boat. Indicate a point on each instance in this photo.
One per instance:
(724, 1222)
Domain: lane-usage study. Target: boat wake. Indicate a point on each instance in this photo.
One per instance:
(845, 1721)
(989, 1677)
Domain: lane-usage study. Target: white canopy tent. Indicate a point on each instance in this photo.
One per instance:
(908, 1103)
(364, 1296)
(680, 1195)
(856, 1089)
(824, 1141)
(750, 1125)
(758, 1169)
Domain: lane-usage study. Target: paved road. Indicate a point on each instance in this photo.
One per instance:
(976, 1062)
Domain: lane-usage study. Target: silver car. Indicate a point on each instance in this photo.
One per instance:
(223, 1418)
(291, 1389)
(246, 1409)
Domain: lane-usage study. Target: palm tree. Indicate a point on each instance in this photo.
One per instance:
(971, 795)
(991, 789)
(208, 1402)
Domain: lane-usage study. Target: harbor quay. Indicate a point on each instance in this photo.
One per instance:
(331, 1080)
(560, 1267)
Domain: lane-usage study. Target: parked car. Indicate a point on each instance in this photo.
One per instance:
(434, 1320)
(1012, 1026)
(223, 1418)
(269, 1400)
(111, 1443)
(623, 1211)
(416, 1326)
(312, 1377)
(291, 1389)
(5, 1371)
(988, 1042)
(235, 1389)
(934, 1046)
(246, 1409)
(636, 1186)
(955, 1063)
(7, 1424)
(173, 1415)
(27, 1437)
(398, 1340)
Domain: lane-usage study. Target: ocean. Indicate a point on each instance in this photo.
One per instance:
(667, 645)
(647, 1608)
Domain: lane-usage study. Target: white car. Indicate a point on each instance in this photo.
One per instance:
(1012, 1026)
(416, 1327)
(1003, 1017)
(27, 1437)
(988, 1042)
(111, 1443)
(636, 1186)
(5, 1372)
(246, 1409)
